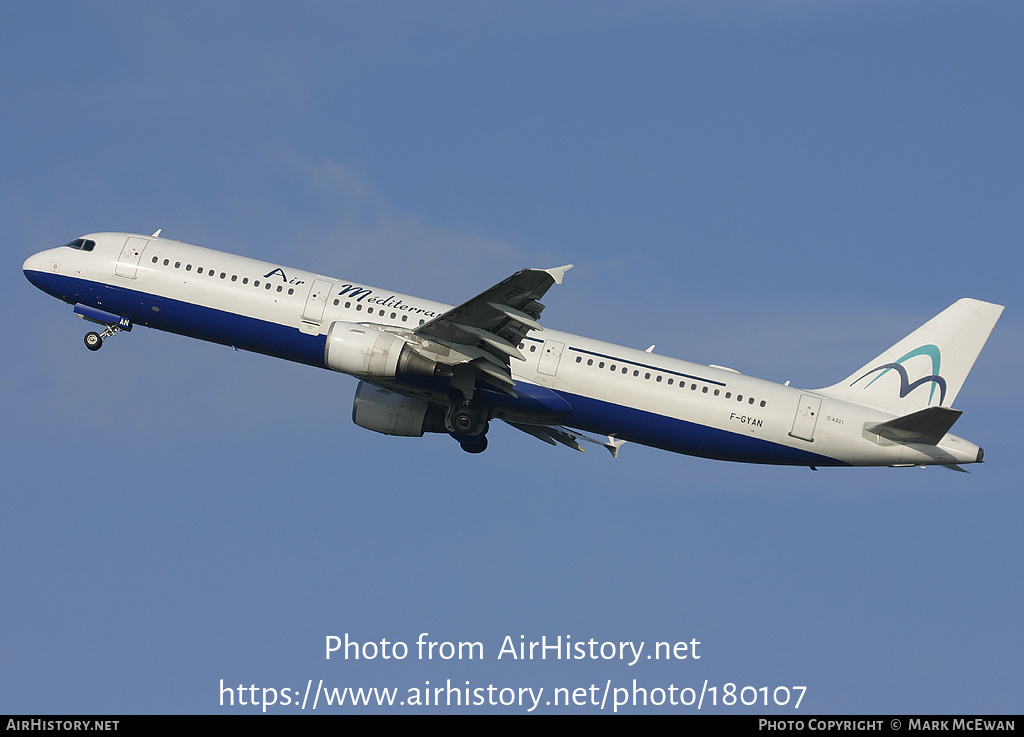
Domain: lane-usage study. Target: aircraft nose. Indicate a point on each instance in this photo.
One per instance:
(34, 266)
(32, 263)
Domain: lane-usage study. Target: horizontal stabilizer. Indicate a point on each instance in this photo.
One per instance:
(927, 426)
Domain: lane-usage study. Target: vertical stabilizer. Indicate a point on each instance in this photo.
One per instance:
(928, 367)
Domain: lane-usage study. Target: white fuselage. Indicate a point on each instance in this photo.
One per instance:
(613, 390)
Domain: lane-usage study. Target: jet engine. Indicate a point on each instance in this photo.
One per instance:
(386, 412)
(364, 351)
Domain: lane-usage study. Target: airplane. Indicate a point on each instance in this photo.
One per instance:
(427, 367)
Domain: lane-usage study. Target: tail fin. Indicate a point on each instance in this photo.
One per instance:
(928, 367)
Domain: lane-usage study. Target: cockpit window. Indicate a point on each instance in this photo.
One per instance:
(81, 244)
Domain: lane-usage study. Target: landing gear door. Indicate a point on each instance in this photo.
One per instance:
(806, 417)
(128, 262)
(319, 293)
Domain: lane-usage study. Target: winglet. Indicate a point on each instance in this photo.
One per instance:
(558, 272)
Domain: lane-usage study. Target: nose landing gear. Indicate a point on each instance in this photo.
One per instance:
(94, 340)
(112, 324)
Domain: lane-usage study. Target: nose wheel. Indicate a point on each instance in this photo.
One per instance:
(94, 340)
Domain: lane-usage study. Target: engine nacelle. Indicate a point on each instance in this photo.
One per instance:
(386, 412)
(365, 351)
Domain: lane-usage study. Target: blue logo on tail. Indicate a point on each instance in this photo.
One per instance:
(905, 385)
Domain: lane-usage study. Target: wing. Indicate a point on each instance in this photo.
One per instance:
(570, 438)
(485, 331)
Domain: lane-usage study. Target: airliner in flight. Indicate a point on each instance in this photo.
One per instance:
(430, 367)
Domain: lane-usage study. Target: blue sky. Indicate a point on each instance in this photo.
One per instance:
(787, 188)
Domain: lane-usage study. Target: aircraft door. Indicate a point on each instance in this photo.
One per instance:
(806, 417)
(549, 358)
(128, 262)
(316, 301)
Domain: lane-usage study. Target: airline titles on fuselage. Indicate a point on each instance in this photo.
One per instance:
(358, 294)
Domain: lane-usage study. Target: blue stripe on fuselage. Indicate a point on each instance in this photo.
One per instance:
(681, 436)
